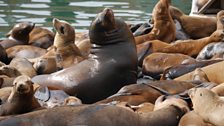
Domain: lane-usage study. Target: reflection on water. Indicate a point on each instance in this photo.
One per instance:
(78, 12)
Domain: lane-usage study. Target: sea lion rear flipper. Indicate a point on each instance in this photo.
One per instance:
(42, 94)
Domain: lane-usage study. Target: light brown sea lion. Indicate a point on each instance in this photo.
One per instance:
(99, 72)
(25, 51)
(164, 28)
(192, 25)
(41, 37)
(45, 65)
(23, 66)
(184, 68)
(212, 109)
(21, 99)
(97, 115)
(155, 63)
(19, 35)
(136, 94)
(192, 119)
(67, 53)
(187, 47)
(212, 71)
(9, 71)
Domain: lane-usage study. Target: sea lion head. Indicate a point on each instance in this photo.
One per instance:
(23, 84)
(220, 18)
(65, 33)
(106, 29)
(21, 31)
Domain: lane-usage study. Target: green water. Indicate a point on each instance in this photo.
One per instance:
(78, 12)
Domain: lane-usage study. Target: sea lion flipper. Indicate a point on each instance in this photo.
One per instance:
(42, 94)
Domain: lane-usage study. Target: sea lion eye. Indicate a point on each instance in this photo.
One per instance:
(200, 94)
(62, 29)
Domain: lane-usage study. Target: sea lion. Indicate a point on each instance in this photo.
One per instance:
(192, 25)
(25, 51)
(212, 71)
(136, 94)
(3, 55)
(67, 53)
(45, 65)
(212, 105)
(19, 35)
(163, 28)
(21, 99)
(193, 119)
(96, 115)
(184, 68)
(23, 66)
(106, 70)
(9, 71)
(41, 37)
(155, 63)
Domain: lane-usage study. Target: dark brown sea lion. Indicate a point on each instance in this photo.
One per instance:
(3, 55)
(155, 63)
(19, 35)
(164, 28)
(41, 37)
(21, 99)
(181, 69)
(97, 115)
(106, 70)
(192, 25)
(139, 93)
(25, 51)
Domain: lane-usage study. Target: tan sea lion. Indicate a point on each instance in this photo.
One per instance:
(192, 25)
(213, 73)
(19, 35)
(21, 99)
(164, 28)
(23, 66)
(99, 72)
(25, 51)
(155, 63)
(97, 115)
(41, 37)
(212, 109)
(192, 119)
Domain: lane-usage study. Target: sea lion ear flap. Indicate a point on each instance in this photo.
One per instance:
(8, 34)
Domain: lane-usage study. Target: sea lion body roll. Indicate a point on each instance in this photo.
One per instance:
(112, 63)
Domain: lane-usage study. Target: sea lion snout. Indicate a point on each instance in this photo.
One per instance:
(22, 84)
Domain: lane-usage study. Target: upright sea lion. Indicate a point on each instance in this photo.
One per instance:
(67, 53)
(106, 70)
(96, 115)
(19, 35)
(25, 51)
(155, 63)
(193, 25)
(164, 28)
(41, 37)
(21, 99)
(212, 109)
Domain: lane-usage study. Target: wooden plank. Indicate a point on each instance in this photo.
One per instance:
(206, 6)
